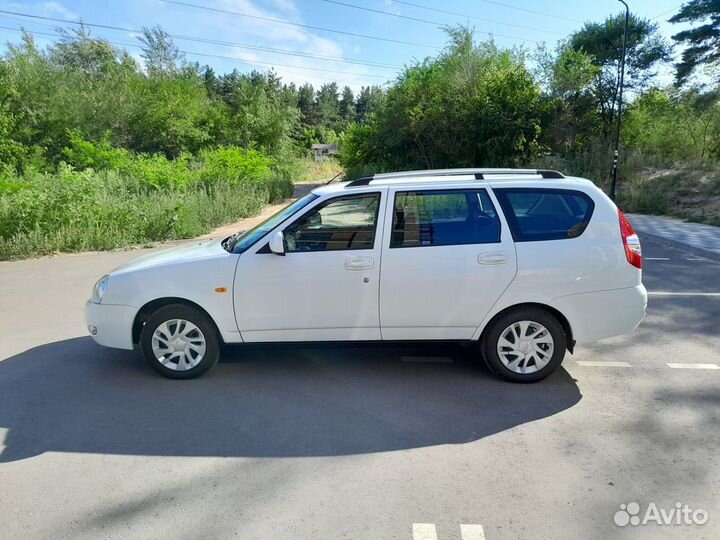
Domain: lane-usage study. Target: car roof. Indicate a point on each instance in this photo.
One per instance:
(457, 178)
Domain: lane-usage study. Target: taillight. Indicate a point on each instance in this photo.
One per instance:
(631, 242)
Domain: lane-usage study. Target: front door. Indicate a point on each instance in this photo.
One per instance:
(326, 286)
(446, 260)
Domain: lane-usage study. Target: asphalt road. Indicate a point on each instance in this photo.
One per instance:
(353, 442)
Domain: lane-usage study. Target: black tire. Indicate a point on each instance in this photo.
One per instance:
(204, 325)
(492, 335)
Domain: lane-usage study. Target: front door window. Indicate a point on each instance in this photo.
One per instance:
(342, 223)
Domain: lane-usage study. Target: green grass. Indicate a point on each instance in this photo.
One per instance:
(132, 220)
(72, 210)
(311, 171)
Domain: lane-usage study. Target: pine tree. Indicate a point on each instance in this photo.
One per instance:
(703, 42)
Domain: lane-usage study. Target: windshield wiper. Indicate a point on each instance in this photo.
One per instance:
(229, 243)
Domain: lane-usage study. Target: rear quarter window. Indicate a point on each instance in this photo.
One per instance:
(536, 214)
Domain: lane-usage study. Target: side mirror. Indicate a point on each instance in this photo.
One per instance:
(277, 243)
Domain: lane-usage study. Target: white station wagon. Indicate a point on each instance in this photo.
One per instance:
(525, 263)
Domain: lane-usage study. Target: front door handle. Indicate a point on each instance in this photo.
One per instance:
(359, 263)
(493, 258)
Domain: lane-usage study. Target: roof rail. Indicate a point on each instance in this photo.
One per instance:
(479, 174)
(364, 181)
(547, 173)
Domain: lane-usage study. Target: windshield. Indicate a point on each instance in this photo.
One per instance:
(243, 241)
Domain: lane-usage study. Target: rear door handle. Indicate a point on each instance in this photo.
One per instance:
(493, 258)
(359, 263)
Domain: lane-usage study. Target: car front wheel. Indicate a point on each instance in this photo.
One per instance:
(180, 342)
(524, 345)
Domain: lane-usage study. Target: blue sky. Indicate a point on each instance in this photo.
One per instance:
(510, 26)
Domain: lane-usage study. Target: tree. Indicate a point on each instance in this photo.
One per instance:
(473, 106)
(78, 51)
(169, 116)
(306, 102)
(567, 76)
(161, 55)
(603, 42)
(290, 95)
(671, 124)
(80, 83)
(369, 101)
(258, 111)
(347, 105)
(11, 151)
(702, 42)
(211, 81)
(327, 105)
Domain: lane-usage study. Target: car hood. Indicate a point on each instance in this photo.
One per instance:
(179, 254)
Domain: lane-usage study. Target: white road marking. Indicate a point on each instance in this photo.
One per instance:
(692, 366)
(656, 258)
(424, 531)
(472, 532)
(427, 359)
(594, 363)
(427, 531)
(673, 293)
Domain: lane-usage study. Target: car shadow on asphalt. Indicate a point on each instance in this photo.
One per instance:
(262, 401)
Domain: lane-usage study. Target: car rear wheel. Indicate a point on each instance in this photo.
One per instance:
(524, 345)
(180, 342)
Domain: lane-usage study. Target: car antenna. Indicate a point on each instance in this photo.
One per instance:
(334, 177)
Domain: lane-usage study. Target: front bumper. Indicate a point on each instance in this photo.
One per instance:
(110, 325)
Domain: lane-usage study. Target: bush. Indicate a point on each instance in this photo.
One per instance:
(138, 198)
(143, 171)
(157, 173)
(233, 166)
(83, 154)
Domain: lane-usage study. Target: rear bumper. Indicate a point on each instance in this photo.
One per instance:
(603, 314)
(110, 325)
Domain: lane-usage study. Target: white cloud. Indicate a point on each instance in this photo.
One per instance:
(257, 32)
(392, 7)
(294, 69)
(285, 5)
(45, 9)
(54, 8)
(245, 56)
(249, 26)
(321, 46)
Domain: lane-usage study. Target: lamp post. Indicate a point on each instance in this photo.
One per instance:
(620, 102)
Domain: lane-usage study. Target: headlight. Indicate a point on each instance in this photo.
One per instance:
(99, 289)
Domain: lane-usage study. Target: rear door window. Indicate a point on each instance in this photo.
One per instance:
(545, 214)
(444, 218)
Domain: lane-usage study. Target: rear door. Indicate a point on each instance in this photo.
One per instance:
(447, 257)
